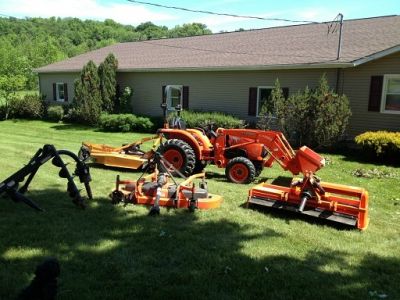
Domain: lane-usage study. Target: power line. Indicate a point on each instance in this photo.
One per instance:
(221, 14)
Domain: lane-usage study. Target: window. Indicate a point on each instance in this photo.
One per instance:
(391, 94)
(173, 96)
(60, 92)
(259, 96)
(264, 99)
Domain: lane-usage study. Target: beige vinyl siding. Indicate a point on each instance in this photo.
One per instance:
(46, 81)
(356, 84)
(228, 91)
(222, 91)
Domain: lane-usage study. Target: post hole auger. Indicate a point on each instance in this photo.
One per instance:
(10, 186)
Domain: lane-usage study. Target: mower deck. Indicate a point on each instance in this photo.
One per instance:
(128, 156)
(118, 160)
(182, 195)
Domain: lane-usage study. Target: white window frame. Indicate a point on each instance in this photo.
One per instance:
(258, 96)
(58, 98)
(168, 96)
(386, 78)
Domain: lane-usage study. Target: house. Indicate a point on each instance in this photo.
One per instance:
(234, 72)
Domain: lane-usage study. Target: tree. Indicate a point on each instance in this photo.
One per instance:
(8, 86)
(268, 114)
(87, 99)
(107, 75)
(189, 30)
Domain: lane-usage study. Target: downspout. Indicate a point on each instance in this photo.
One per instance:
(40, 86)
(338, 51)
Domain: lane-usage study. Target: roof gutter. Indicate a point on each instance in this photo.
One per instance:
(376, 55)
(219, 68)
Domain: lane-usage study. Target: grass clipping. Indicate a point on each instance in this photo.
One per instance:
(374, 173)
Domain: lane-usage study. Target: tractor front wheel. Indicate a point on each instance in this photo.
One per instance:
(240, 170)
(180, 155)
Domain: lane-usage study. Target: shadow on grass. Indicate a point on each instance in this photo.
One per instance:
(215, 176)
(112, 252)
(68, 126)
(282, 180)
(365, 156)
(290, 216)
(117, 169)
(393, 161)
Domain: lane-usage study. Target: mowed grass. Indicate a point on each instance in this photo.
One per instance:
(118, 252)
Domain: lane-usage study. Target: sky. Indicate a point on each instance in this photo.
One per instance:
(126, 12)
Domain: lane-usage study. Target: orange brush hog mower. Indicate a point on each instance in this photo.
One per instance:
(161, 189)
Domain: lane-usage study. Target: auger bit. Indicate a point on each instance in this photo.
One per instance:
(10, 185)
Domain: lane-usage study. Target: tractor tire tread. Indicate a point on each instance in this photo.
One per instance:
(246, 162)
(190, 157)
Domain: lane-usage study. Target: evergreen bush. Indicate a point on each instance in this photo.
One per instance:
(87, 101)
(107, 75)
(315, 117)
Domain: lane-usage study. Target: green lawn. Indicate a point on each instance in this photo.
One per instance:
(117, 252)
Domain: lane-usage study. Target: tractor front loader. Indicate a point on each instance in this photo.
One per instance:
(10, 186)
(245, 152)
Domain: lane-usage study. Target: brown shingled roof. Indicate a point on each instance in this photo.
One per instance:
(290, 46)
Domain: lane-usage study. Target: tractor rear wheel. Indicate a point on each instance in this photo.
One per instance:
(240, 170)
(180, 155)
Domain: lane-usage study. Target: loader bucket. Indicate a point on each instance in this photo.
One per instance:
(340, 203)
(306, 161)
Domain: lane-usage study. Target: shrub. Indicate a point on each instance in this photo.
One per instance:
(71, 114)
(202, 119)
(380, 142)
(87, 99)
(55, 113)
(315, 117)
(29, 107)
(125, 123)
(107, 73)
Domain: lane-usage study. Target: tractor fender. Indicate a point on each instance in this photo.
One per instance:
(186, 136)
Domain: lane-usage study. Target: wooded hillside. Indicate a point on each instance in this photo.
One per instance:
(29, 43)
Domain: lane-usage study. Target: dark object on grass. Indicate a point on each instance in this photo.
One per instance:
(44, 285)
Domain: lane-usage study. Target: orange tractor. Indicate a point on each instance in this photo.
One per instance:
(244, 153)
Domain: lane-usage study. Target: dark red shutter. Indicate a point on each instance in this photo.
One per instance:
(375, 93)
(163, 96)
(285, 92)
(252, 101)
(65, 92)
(54, 92)
(185, 97)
